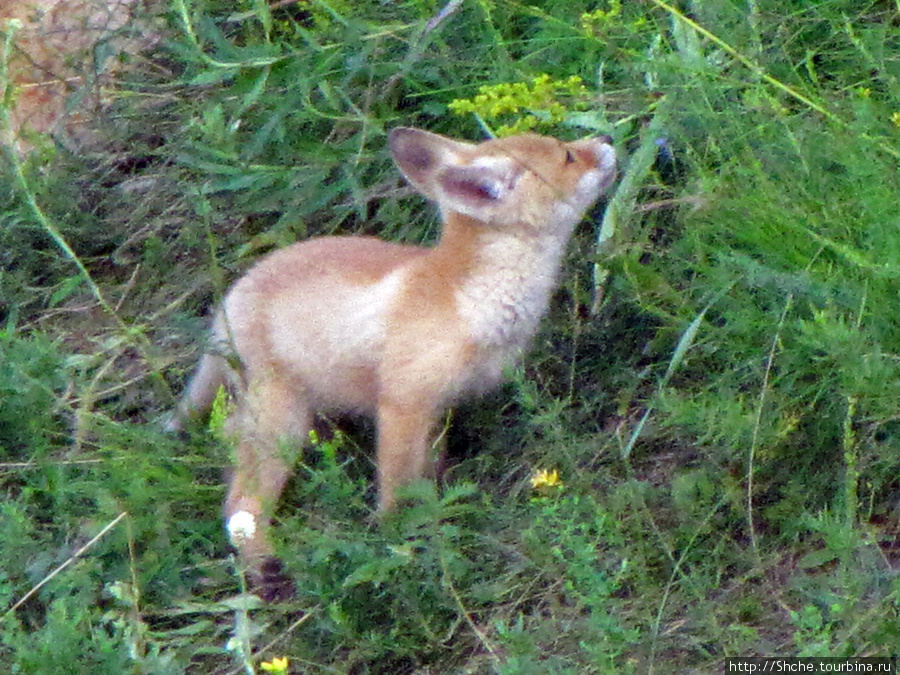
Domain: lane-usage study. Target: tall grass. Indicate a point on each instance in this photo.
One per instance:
(716, 383)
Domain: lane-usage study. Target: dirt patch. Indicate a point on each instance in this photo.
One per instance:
(65, 52)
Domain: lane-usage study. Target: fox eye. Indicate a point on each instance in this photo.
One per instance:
(570, 157)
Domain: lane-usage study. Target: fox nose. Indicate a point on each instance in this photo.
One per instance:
(604, 153)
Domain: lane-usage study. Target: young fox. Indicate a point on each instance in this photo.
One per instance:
(399, 333)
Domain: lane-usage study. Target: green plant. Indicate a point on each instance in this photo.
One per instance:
(571, 542)
(542, 98)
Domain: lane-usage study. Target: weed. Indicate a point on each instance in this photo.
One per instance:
(542, 97)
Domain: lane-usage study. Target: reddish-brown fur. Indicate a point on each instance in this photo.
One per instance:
(399, 333)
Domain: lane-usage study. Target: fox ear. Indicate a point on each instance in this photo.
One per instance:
(451, 173)
(422, 155)
(483, 184)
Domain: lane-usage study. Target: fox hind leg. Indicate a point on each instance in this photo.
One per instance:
(270, 423)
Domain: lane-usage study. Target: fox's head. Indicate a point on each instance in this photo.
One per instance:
(527, 179)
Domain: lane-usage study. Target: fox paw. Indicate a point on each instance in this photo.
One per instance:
(271, 583)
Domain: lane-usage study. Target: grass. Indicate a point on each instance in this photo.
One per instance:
(716, 383)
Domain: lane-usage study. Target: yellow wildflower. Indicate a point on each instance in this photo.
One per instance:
(542, 100)
(544, 480)
(278, 666)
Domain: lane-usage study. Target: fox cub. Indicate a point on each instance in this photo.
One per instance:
(399, 333)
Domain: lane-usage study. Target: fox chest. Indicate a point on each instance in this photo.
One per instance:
(502, 307)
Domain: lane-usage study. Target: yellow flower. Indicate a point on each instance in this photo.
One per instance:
(895, 118)
(544, 480)
(278, 666)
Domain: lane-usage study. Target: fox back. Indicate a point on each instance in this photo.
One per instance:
(399, 333)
